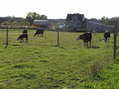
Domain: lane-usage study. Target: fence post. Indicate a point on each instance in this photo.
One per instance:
(58, 38)
(115, 46)
(115, 42)
(6, 44)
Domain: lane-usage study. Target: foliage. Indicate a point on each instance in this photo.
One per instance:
(114, 20)
(11, 20)
(31, 16)
(105, 20)
(110, 21)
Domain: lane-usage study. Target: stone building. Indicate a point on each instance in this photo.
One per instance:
(75, 22)
(78, 23)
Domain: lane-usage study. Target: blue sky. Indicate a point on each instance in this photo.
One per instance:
(60, 8)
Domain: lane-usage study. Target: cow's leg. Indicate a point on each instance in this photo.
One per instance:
(26, 38)
(38, 34)
(87, 44)
(21, 40)
(90, 43)
(41, 35)
(84, 43)
(106, 39)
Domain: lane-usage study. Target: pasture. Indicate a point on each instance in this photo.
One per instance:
(40, 64)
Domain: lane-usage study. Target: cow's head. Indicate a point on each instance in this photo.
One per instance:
(81, 37)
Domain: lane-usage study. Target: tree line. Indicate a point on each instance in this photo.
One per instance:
(31, 16)
(109, 21)
(28, 20)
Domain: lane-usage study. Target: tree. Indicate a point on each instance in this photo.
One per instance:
(114, 20)
(12, 20)
(110, 21)
(43, 17)
(105, 20)
(31, 16)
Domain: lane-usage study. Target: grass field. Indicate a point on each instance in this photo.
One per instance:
(40, 64)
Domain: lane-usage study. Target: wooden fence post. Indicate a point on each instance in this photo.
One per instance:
(6, 44)
(58, 38)
(115, 42)
(114, 45)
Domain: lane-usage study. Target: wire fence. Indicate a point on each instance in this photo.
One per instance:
(60, 39)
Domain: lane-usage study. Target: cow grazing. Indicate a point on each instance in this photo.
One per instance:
(106, 36)
(23, 36)
(39, 31)
(86, 37)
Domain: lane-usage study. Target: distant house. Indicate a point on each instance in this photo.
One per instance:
(41, 23)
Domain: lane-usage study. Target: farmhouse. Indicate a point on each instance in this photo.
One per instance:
(41, 23)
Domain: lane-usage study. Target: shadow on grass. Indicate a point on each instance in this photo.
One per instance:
(94, 47)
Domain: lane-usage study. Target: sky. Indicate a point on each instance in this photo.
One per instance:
(58, 9)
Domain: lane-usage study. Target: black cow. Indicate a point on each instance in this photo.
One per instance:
(23, 36)
(106, 36)
(86, 37)
(39, 32)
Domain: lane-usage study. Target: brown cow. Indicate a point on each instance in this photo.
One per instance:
(23, 36)
(86, 37)
(106, 36)
(40, 31)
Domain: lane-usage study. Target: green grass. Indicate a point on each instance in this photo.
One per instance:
(40, 64)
